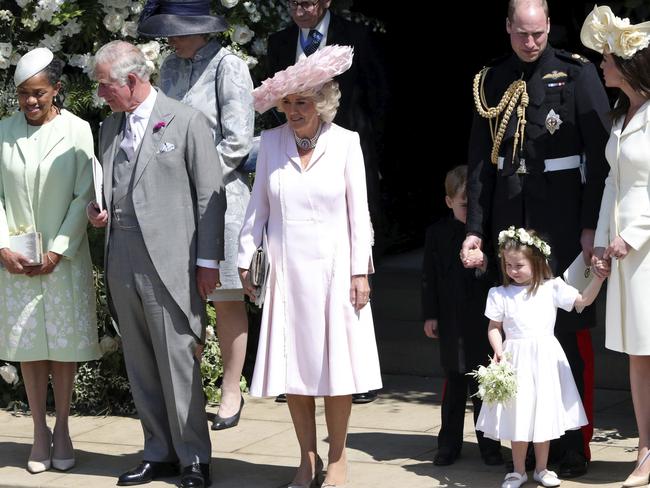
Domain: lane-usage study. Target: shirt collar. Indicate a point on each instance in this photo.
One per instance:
(143, 111)
(321, 27)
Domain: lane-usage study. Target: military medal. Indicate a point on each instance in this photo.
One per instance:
(522, 170)
(553, 122)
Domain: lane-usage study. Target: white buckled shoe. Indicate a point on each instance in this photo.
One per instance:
(546, 478)
(514, 480)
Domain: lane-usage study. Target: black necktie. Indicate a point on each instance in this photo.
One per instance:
(313, 41)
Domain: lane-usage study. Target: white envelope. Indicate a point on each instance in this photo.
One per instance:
(578, 275)
(98, 180)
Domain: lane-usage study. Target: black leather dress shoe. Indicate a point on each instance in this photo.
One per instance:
(281, 398)
(367, 397)
(493, 458)
(221, 423)
(146, 472)
(445, 456)
(572, 465)
(196, 476)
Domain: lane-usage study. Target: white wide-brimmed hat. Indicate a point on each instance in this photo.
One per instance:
(32, 63)
(603, 31)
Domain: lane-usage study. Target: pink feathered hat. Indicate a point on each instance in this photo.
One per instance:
(308, 73)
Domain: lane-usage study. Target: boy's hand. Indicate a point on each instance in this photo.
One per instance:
(431, 328)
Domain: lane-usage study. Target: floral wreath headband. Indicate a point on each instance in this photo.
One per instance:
(603, 32)
(522, 236)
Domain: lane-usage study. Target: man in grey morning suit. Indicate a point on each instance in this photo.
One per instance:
(164, 215)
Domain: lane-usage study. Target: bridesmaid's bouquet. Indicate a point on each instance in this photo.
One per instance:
(497, 383)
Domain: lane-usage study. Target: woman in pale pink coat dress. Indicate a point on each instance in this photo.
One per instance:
(317, 335)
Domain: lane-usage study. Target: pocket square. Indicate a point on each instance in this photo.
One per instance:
(166, 147)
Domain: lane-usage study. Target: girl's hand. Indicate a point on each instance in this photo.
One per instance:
(249, 289)
(431, 328)
(617, 249)
(14, 262)
(359, 291)
(498, 356)
(50, 260)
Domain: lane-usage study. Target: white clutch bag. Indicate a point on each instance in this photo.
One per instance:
(578, 275)
(29, 245)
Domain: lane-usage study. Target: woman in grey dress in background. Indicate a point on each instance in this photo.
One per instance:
(209, 78)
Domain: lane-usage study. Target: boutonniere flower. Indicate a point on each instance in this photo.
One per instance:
(159, 125)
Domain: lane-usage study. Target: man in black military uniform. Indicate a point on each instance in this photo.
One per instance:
(537, 160)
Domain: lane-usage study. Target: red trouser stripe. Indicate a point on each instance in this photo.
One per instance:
(587, 354)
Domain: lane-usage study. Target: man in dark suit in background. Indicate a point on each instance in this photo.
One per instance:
(364, 89)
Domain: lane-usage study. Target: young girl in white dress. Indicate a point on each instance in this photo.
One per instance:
(547, 402)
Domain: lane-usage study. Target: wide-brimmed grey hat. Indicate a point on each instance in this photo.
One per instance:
(165, 18)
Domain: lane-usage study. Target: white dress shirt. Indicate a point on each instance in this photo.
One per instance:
(322, 27)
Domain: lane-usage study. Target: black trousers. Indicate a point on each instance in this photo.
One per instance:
(573, 440)
(454, 399)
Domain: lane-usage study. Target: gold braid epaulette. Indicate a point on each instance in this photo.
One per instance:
(515, 95)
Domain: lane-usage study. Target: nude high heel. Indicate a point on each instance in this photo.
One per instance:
(638, 480)
(36, 467)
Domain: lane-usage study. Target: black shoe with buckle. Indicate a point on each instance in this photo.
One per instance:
(221, 423)
(146, 472)
(572, 465)
(367, 397)
(446, 456)
(196, 476)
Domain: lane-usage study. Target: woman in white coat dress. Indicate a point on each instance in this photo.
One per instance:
(317, 335)
(623, 232)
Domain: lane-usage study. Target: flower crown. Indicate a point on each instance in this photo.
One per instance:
(522, 236)
(602, 30)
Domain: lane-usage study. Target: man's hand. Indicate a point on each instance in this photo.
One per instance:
(468, 252)
(14, 262)
(431, 328)
(207, 279)
(96, 218)
(587, 238)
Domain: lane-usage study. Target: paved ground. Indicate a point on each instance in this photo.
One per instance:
(391, 444)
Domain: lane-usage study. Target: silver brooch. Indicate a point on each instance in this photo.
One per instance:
(553, 122)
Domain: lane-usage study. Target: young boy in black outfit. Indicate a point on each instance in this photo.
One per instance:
(453, 305)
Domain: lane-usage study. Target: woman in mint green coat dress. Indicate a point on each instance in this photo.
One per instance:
(47, 311)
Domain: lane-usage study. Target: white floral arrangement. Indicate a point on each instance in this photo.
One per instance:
(497, 382)
(9, 373)
(522, 236)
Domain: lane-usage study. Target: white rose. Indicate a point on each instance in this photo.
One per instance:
(6, 15)
(23, 3)
(52, 42)
(30, 23)
(80, 60)
(255, 17)
(4, 63)
(136, 8)
(113, 22)
(108, 345)
(229, 3)
(5, 49)
(631, 41)
(130, 29)
(15, 57)
(151, 50)
(242, 34)
(9, 373)
(259, 46)
(71, 28)
(209, 333)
